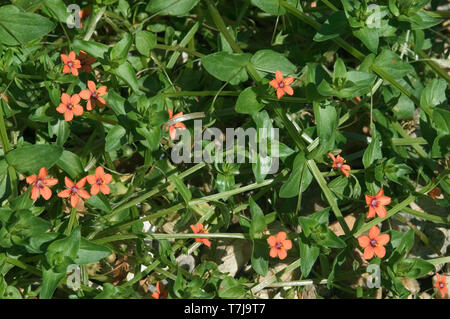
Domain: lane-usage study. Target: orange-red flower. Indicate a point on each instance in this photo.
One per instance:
(74, 190)
(435, 192)
(441, 284)
(92, 95)
(357, 99)
(86, 61)
(99, 181)
(282, 84)
(172, 128)
(83, 15)
(160, 292)
(374, 243)
(198, 229)
(339, 163)
(40, 184)
(71, 63)
(279, 245)
(70, 106)
(376, 204)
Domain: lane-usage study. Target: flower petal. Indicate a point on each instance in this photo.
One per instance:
(383, 239)
(31, 179)
(107, 178)
(272, 241)
(368, 253)
(74, 200)
(282, 253)
(380, 251)
(34, 193)
(363, 241)
(65, 193)
(91, 179)
(287, 244)
(46, 192)
(85, 94)
(371, 213)
(105, 189)
(75, 99)
(50, 181)
(278, 76)
(68, 182)
(380, 193)
(84, 193)
(381, 211)
(68, 116)
(65, 98)
(77, 110)
(102, 90)
(64, 58)
(274, 84)
(374, 232)
(42, 173)
(281, 236)
(288, 80)
(384, 200)
(280, 93)
(92, 87)
(369, 199)
(273, 252)
(99, 172)
(81, 182)
(94, 189)
(288, 90)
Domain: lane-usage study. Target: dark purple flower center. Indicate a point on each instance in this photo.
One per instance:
(74, 189)
(374, 202)
(278, 245)
(373, 243)
(441, 285)
(69, 105)
(39, 183)
(94, 94)
(281, 84)
(99, 181)
(69, 64)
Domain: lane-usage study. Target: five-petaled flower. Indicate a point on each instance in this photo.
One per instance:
(70, 106)
(282, 85)
(279, 245)
(172, 128)
(441, 284)
(71, 63)
(92, 95)
(339, 162)
(376, 204)
(74, 190)
(99, 181)
(199, 229)
(160, 292)
(374, 243)
(40, 184)
(86, 61)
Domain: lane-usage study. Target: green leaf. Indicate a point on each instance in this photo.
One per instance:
(171, 7)
(292, 186)
(145, 42)
(368, 36)
(90, 252)
(126, 72)
(119, 52)
(18, 27)
(71, 164)
(308, 256)
(340, 71)
(268, 61)
(115, 138)
(433, 94)
(413, 268)
(182, 188)
(269, 6)
(260, 256)
(227, 66)
(258, 221)
(335, 26)
(247, 102)
(230, 288)
(390, 61)
(92, 48)
(372, 152)
(99, 201)
(326, 120)
(42, 155)
(50, 280)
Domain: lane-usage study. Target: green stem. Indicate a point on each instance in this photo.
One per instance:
(432, 218)
(434, 66)
(328, 194)
(72, 221)
(179, 48)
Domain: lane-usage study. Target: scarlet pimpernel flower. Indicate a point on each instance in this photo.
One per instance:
(74, 190)
(199, 229)
(92, 95)
(40, 184)
(86, 61)
(99, 181)
(376, 204)
(71, 63)
(70, 106)
(172, 128)
(160, 292)
(279, 245)
(441, 285)
(374, 243)
(282, 85)
(339, 162)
